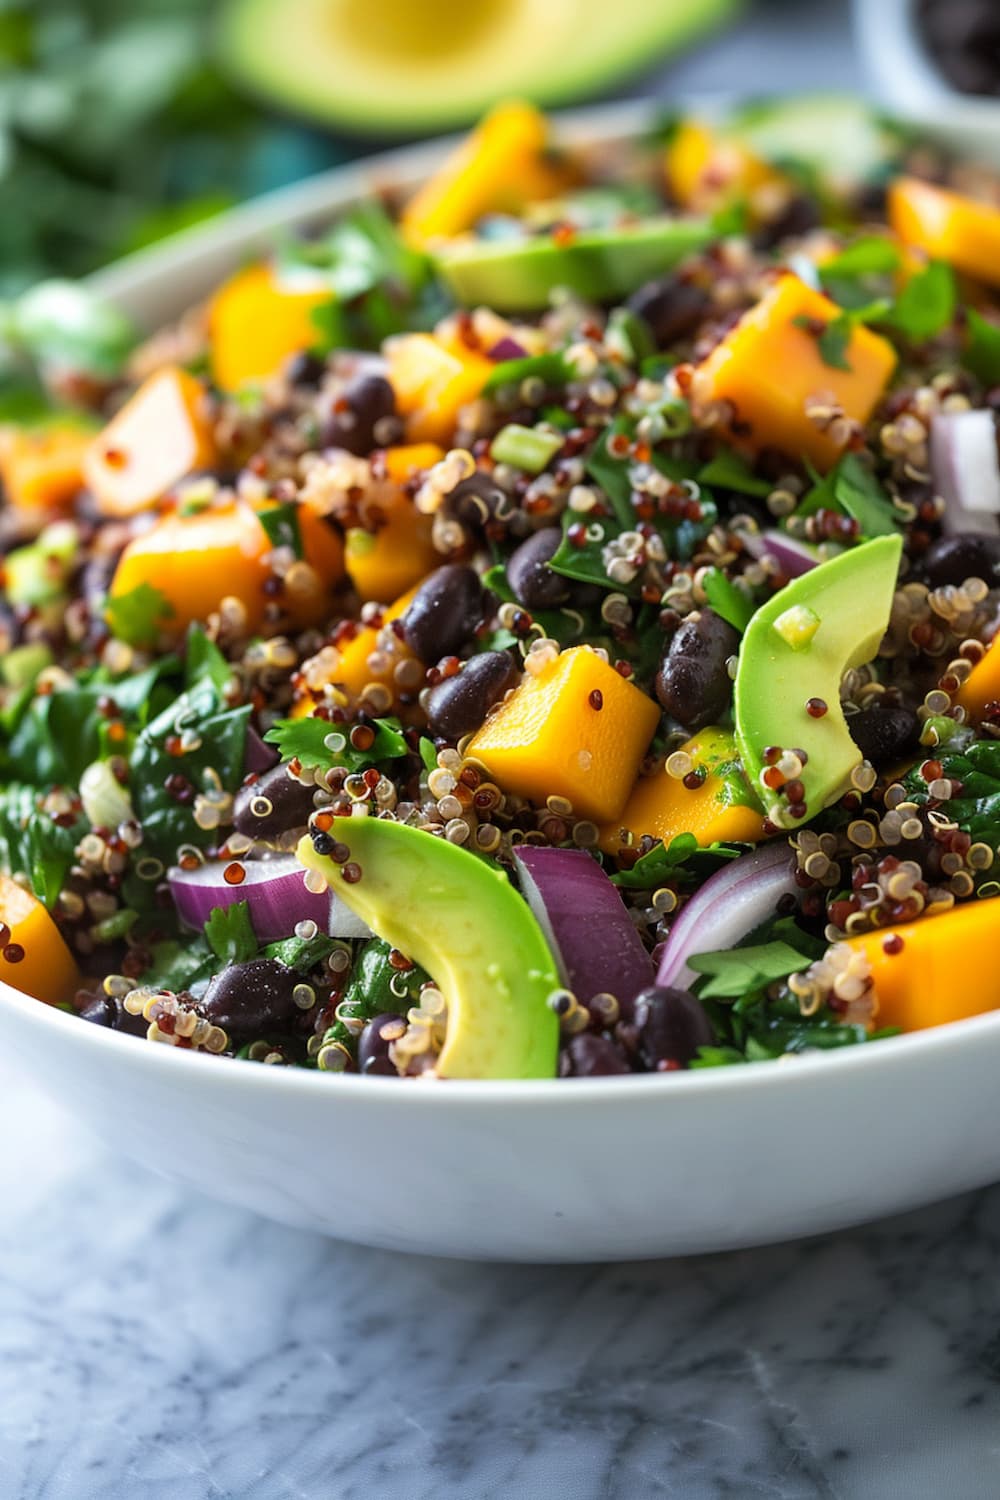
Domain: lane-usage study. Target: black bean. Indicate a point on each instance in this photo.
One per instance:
(534, 583)
(672, 1026)
(475, 500)
(693, 683)
(366, 399)
(799, 215)
(590, 1056)
(967, 554)
(445, 611)
(251, 998)
(102, 1010)
(306, 370)
(272, 805)
(671, 308)
(884, 734)
(458, 705)
(373, 1047)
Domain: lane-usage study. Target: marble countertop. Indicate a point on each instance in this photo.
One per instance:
(155, 1344)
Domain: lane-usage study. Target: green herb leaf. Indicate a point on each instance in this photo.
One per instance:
(926, 305)
(982, 350)
(204, 662)
(872, 255)
(281, 522)
(611, 473)
(179, 964)
(32, 844)
(428, 754)
(729, 471)
(551, 368)
(832, 342)
(230, 933)
(740, 971)
(586, 563)
(302, 954)
(727, 600)
(138, 616)
(683, 855)
(859, 494)
(305, 740)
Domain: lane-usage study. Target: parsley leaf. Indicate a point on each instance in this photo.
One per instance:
(230, 933)
(302, 954)
(305, 740)
(550, 368)
(204, 662)
(731, 472)
(683, 855)
(739, 971)
(870, 256)
(927, 303)
(859, 493)
(727, 599)
(178, 965)
(32, 844)
(982, 351)
(138, 616)
(281, 522)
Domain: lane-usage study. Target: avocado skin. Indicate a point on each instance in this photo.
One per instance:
(601, 265)
(458, 917)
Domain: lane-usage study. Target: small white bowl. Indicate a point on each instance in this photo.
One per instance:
(600, 1169)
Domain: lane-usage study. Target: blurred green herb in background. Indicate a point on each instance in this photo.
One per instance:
(116, 128)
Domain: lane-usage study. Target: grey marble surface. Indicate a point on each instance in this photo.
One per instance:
(154, 1344)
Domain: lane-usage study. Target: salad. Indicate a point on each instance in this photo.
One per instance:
(539, 626)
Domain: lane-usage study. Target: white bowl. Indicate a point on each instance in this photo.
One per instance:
(599, 1169)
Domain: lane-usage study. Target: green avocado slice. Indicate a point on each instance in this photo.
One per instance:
(462, 921)
(797, 648)
(401, 66)
(599, 264)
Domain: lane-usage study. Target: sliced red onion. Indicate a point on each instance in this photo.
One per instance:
(966, 471)
(275, 891)
(258, 756)
(792, 556)
(507, 348)
(593, 940)
(731, 903)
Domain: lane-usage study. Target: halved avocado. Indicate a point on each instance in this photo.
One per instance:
(399, 65)
(599, 264)
(459, 918)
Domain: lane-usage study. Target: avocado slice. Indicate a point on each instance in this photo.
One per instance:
(20, 667)
(36, 574)
(462, 921)
(796, 649)
(599, 264)
(401, 67)
(837, 136)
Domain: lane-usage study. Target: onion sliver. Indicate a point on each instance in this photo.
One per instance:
(731, 903)
(592, 937)
(275, 890)
(507, 348)
(792, 556)
(966, 471)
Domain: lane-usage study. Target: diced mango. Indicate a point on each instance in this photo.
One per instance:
(982, 686)
(945, 970)
(704, 170)
(157, 438)
(45, 966)
(386, 562)
(433, 378)
(352, 671)
(947, 226)
(499, 167)
(42, 467)
(407, 459)
(306, 598)
(256, 322)
(770, 368)
(662, 806)
(196, 560)
(576, 729)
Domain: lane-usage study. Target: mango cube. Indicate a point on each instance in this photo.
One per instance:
(39, 962)
(157, 438)
(256, 322)
(662, 806)
(433, 378)
(771, 369)
(705, 170)
(576, 729)
(42, 468)
(947, 226)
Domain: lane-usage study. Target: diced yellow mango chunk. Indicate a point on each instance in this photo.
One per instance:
(157, 438)
(662, 806)
(42, 467)
(947, 226)
(256, 322)
(704, 170)
(433, 378)
(769, 367)
(499, 167)
(39, 962)
(576, 729)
